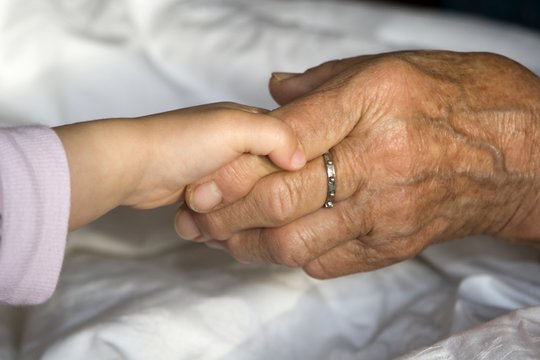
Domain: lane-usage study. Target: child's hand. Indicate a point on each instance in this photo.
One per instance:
(147, 162)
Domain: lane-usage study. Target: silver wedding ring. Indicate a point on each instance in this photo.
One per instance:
(331, 180)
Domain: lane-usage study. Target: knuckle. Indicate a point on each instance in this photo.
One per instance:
(388, 251)
(351, 169)
(235, 245)
(245, 248)
(365, 255)
(318, 269)
(371, 254)
(280, 200)
(350, 257)
(251, 246)
(290, 247)
(280, 250)
(213, 226)
(235, 178)
(350, 223)
(395, 69)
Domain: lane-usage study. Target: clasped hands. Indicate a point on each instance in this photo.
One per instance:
(428, 147)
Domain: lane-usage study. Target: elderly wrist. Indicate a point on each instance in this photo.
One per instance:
(523, 221)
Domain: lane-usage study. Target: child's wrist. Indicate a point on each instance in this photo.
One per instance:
(105, 159)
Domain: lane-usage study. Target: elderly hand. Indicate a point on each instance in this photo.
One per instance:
(428, 146)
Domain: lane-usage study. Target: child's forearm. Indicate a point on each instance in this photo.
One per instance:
(105, 159)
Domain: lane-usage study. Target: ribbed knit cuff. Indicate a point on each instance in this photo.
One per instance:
(34, 207)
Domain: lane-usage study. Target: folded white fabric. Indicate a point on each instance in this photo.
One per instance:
(230, 48)
(191, 302)
(196, 303)
(514, 336)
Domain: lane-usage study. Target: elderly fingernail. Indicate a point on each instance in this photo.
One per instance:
(282, 76)
(186, 227)
(217, 245)
(205, 197)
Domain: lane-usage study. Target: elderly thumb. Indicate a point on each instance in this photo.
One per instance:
(286, 87)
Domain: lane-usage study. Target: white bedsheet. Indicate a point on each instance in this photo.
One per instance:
(131, 290)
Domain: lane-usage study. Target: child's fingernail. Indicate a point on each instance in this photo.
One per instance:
(282, 76)
(205, 197)
(186, 227)
(298, 159)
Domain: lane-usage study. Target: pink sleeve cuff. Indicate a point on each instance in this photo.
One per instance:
(34, 209)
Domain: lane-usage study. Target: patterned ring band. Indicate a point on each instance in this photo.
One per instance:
(331, 180)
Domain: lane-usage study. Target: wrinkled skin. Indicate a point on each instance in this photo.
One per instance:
(428, 147)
